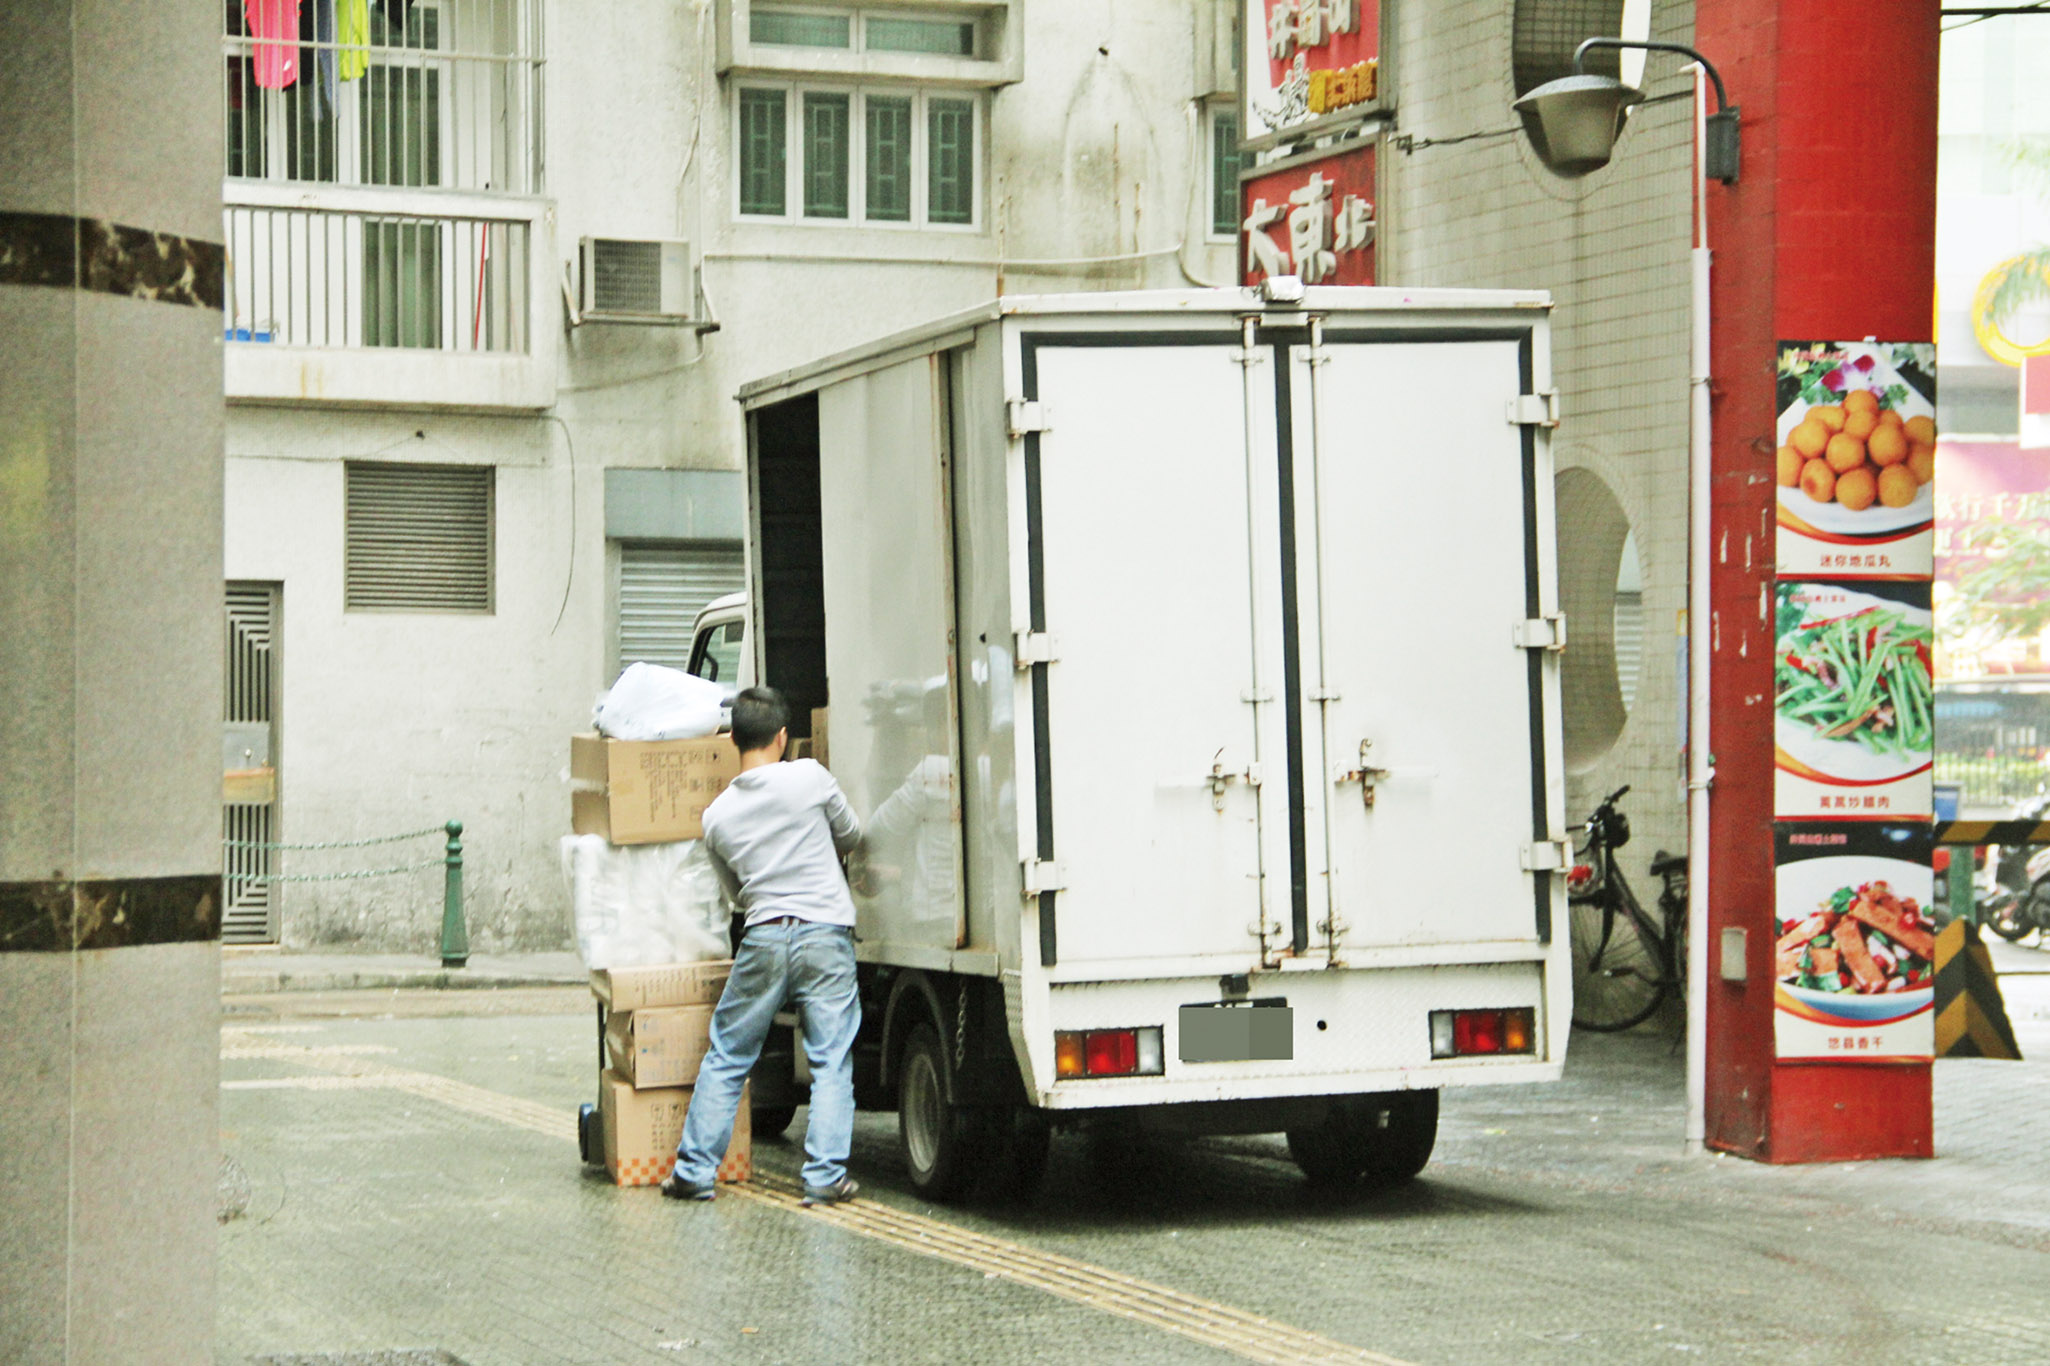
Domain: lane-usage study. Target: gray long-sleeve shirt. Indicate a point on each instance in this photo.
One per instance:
(775, 835)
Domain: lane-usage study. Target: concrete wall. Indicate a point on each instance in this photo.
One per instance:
(397, 722)
(1613, 249)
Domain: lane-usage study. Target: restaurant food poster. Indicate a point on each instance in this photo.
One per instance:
(1854, 734)
(1854, 950)
(1856, 459)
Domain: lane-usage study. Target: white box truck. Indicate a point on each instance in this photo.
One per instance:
(1192, 662)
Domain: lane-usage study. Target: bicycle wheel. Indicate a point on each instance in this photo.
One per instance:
(1618, 976)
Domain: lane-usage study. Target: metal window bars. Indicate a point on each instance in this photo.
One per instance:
(443, 94)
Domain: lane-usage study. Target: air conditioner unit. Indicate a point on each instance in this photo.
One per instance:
(637, 280)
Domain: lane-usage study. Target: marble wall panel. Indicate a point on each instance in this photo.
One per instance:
(35, 1153)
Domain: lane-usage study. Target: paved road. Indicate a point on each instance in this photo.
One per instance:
(411, 1182)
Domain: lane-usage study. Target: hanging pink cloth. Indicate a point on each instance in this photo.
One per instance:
(275, 26)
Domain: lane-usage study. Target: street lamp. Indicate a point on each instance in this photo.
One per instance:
(1573, 122)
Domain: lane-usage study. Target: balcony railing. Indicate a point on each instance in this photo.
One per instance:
(379, 274)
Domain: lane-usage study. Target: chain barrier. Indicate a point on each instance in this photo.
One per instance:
(338, 844)
(339, 877)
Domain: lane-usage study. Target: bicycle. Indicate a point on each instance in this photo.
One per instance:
(1624, 963)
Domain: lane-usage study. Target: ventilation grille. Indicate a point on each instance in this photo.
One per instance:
(418, 538)
(626, 277)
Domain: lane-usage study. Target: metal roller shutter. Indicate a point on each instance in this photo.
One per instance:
(418, 538)
(662, 588)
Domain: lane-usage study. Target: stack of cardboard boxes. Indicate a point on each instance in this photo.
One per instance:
(657, 1019)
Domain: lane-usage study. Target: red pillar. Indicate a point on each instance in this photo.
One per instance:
(1829, 234)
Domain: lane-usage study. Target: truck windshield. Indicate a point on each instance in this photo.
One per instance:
(715, 657)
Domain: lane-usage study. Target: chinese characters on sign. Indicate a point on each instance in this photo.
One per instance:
(1312, 222)
(1305, 59)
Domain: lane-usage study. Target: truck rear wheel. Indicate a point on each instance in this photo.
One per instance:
(1382, 1139)
(938, 1136)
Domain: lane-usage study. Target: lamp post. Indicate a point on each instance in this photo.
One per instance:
(1573, 124)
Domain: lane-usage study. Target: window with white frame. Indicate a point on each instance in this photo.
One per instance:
(1225, 163)
(863, 30)
(881, 155)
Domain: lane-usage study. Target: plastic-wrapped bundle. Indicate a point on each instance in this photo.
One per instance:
(644, 905)
(650, 702)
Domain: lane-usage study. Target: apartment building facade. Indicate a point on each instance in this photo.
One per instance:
(497, 267)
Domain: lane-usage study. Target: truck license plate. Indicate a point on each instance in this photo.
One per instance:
(1249, 1033)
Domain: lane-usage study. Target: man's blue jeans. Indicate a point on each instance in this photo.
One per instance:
(811, 967)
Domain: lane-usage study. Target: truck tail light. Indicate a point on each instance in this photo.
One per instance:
(1478, 1033)
(1109, 1053)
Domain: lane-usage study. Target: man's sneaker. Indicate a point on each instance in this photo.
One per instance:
(839, 1193)
(676, 1188)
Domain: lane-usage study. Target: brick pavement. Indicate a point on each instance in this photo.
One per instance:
(1558, 1224)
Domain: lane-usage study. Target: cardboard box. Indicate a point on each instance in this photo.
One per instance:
(658, 1047)
(642, 1129)
(818, 737)
(646, 791)
(672, 984)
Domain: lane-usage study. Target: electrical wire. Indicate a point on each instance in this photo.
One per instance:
(569, 577)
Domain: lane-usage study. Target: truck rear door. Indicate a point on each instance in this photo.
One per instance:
(1424, 665)
(1151, 652)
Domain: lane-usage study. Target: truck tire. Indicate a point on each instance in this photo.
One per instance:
(1381, 1139)
(938, 1136)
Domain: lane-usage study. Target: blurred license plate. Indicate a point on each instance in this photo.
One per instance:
(1248, 1033)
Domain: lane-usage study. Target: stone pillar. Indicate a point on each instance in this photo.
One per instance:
(110, 678)
(1830, 234)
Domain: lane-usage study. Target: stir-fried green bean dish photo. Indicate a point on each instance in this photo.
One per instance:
(1862, 677)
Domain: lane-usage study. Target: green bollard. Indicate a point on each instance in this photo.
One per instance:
(1963, 895)
(455, 937)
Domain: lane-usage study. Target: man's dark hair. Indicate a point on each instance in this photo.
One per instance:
(758, 713)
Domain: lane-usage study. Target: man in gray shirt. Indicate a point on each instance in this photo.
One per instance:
(776, 836)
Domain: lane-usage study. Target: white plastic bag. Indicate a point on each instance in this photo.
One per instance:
(650, 702)
(644, 905)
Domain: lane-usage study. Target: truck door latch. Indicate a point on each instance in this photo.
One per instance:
(1542, 633)
(1221, 777)
(1366, 775)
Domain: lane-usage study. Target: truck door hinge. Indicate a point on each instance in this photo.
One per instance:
(1542, 633)
(1547, 856)
(1535, 410)
(1028, 415)
(1035, 647)
(1041, 876)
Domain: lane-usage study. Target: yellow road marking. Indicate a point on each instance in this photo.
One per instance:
(1157, 1306)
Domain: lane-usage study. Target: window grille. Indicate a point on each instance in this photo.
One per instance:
(868, 156)
(443, 93)
(418, 538)
(1225, 164)
(1545, 32)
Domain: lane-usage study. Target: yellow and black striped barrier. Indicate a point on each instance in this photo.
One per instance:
(1971, 1019)
(1993, 832)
